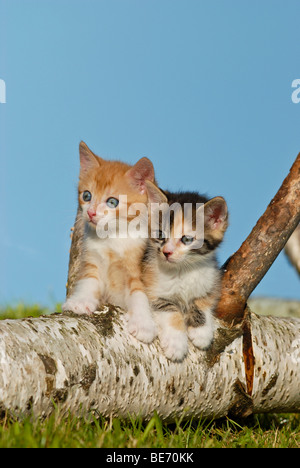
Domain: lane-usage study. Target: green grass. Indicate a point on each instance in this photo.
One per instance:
(266, 431)
(257, 431)
(20, 311)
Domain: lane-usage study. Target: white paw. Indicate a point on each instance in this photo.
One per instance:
(80, 307)
(174, 344)
(142, 328)
(201, 337)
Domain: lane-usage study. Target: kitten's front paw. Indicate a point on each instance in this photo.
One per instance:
(142, 328)
(201, 337)
(174, 344)
(80, 307)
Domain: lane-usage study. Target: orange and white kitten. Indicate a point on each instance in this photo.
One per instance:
(111, 266)
(180, 273)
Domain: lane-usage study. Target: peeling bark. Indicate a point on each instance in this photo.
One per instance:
(93, 364)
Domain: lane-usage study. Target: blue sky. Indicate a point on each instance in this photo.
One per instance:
(201, 87)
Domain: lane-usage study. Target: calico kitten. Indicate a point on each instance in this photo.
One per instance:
(180, 272)
(111, 266)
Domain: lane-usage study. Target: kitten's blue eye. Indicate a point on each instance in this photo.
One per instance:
(112, 202)
(187, 240)
(86, 196)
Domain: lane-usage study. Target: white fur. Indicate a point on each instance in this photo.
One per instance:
(190, 283)
(140, 321)
(97, 249)
(85, 298)
(173, 342)
(202, 336)
(97, 246)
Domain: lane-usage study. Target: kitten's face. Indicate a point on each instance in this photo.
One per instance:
(107, 188)
(180, 242)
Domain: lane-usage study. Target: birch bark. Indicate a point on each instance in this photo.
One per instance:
(92, 364)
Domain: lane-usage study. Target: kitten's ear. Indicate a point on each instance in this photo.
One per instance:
(138, 174)
(216, 216)
(154, 194)
(88, 160)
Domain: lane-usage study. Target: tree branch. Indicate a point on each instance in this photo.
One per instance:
(77, 233)
(292, 249)
(246, 268)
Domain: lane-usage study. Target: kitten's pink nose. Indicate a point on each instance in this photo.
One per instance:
(167, 254)
(91, 213)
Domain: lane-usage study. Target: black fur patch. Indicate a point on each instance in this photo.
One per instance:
(195, 317)
(166, 305)
(185, 197)
(209, 244)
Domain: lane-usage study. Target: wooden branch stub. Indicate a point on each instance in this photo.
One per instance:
(75, 252)
(245, 269)
(292, 249)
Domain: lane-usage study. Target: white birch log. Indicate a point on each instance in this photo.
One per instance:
(93, 364)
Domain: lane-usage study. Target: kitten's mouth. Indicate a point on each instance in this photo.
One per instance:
(93, 221)
(169, 259)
